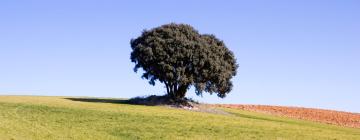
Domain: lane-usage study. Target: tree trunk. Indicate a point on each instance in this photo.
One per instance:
(176, 91)
(181, 91)
(171, 91)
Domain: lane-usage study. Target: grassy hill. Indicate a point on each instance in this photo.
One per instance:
(34, 117)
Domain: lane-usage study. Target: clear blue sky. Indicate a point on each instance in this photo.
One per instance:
(297, 53)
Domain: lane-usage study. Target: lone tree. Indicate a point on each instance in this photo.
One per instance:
(180, 57)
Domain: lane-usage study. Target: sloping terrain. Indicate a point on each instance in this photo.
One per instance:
(35, 118)
(319, 115)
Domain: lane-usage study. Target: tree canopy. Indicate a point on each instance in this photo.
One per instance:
(180, 57)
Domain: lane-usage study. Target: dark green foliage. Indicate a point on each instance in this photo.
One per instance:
(178, 56)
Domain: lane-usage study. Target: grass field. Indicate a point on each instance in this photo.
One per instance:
(34, 117)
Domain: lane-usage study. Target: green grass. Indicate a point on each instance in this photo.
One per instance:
(33, 117)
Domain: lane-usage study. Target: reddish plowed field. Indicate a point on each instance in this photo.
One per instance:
(319, 115)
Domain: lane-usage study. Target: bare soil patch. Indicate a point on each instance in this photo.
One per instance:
(319, 115)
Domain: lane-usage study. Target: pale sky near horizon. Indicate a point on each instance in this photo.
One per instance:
(295, 53)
